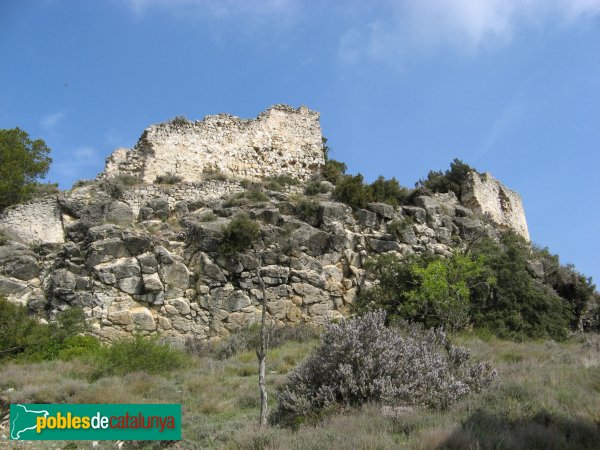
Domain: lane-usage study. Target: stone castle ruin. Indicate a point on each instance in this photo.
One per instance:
(484, 194)
(280, 141)
(148, 261)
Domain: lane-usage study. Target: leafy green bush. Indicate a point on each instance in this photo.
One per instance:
(354, 192)
(79, 347)
(168, 178)
(491, 287)
(350, 189)
(431, 290)
(388, 191)
(24, 337)
(252, 195)
(333, 170)
(137, 354)
(452, 180)
(180, 120)
(571, 285)
(315, 187)
(239, 234)
(43, 189)
(518, 305)
(308, 211)
(208, 217)
(278, 182)
(361, 361)
(213, 173)
(114, 187)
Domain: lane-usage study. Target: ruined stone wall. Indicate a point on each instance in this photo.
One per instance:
(281, 140)
(486, 195)
(33, 222)
(207, 191)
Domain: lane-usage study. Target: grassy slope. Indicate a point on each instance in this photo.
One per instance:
(547, 396)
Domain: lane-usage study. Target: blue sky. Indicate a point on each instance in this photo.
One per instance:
(509, 86)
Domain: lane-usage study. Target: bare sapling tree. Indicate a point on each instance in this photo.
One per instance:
(261, 353)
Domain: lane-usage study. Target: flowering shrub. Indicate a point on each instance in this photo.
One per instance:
(362, 360)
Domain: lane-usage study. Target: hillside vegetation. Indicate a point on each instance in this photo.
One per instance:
(546, 397)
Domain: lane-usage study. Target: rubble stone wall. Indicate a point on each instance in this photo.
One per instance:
(281, 140)
(34, 222)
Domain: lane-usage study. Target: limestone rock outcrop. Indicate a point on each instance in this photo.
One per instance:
(146, 259)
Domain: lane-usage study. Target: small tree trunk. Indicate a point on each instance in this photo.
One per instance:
(262, 354)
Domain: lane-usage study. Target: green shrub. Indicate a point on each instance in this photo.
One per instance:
(180, 121)
(25, 338)
(315, 187)
(168, 178)
(452, 180)
(137, 354)
(114, 187)
(351, 190)
(491, 287)
(278, 182)
(308, 211)
(388, 191)
(3, 238)
(239, 234)
(333, 170)
(208, 217)
(79, 347)
(43, 189)
(579, 291)
(252, 195)
(213, 173)
(82, 182)
(519, 305)
(431, 290)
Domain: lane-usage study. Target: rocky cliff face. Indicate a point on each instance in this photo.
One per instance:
(153, 266)
(147, 261)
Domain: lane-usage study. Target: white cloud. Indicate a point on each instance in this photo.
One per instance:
(50, 121)
(396, 30)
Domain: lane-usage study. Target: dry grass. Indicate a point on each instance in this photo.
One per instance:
(547, 397)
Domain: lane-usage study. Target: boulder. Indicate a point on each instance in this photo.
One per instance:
(156, 208)
(366, 218)
(142, 319)
(315, 241)
(209, 271)
(333, 212)
(152, 283)
(119, 213)
(382, 210)
(176, 275)
(419, 215)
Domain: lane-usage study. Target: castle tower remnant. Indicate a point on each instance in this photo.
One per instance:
(280, 141)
